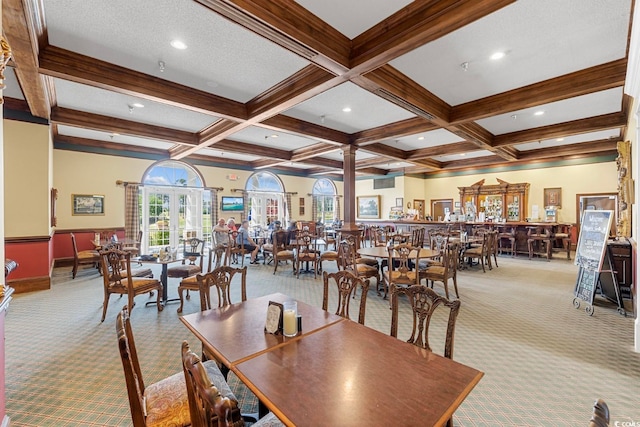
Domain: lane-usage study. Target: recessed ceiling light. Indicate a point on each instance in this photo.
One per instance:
(463, 154)
(420, 138)
(138, 105)
(178, 44)
(560, 139)
(274, 135)
(497, 55)
(346, 109)
(538, 113)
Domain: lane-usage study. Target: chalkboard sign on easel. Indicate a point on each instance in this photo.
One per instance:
(592, 244)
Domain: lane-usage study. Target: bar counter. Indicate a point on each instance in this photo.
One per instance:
(521, 229)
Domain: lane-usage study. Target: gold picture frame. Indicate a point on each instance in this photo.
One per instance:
(368, 206)
(553, 197)
(87, 204)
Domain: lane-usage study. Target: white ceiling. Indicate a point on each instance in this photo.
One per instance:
(542, 39)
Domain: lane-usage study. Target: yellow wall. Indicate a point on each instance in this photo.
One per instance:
(26, 179)
(632, 136)
(583, 179)
(84, 173)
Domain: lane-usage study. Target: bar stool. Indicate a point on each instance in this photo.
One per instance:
(565, 237)
(537, 239)
(506, 232)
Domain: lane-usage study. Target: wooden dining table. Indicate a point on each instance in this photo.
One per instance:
(336, 371)
(383, 252)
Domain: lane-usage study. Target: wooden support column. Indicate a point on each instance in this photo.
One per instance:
(349, 227)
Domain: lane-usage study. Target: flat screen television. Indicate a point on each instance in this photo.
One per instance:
(230, 203)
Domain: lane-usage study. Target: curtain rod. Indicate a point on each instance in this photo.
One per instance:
(240, 190)
(326, 195)
(125, 183)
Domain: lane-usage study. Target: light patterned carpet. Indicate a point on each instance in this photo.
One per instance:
(545, 362)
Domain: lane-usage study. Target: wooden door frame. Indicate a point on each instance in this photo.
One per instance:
(432, 201)
(603, 194)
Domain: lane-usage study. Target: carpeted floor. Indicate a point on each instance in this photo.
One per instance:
(545, 362)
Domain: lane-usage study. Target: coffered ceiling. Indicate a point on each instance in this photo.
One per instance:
(284, 85)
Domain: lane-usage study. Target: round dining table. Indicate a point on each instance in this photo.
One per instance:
(382, 252)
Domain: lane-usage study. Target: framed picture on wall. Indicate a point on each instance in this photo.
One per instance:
(399, 201)
(553, 197)
(368, 206)
(86, 204)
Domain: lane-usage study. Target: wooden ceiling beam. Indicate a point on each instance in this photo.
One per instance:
(395, 130)
(416, 24)
(386, 151)
(253, 150)
(305, 129)
(290, 26)
(306, 83)
(312, 151)
(64, 64)
(574, 127)
(372, 171)
(441, 150)
(86, 142)
(582, 82)
(81, 119)
(599, 146)
(23, 26)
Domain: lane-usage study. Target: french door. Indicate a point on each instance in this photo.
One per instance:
(266, 208)
(170, 215)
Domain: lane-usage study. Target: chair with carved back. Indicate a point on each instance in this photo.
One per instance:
(221, 279)
(87, 257)
(116, 280)
(424, 302)
(235, 248)
(478, 251)
(281, 250)
(192, 261)
(444, 271)
(349, 262)
(191, 283)
(417, 237)
(401, 262)
(564, 236)
(379, 237)
(134, 249)
(329, 255)
(346, 283)
(600, 417)
(306, 252)
(164, 403)
(493, 248)
(207, 406)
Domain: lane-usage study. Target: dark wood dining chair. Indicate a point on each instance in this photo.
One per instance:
(221, 279)
(423, 302)
(600, 417)
(116, 265)
(190, 284)
(346, 284)
(134, 249)
(207, 407)
(306, 252)
(281, 250)
(443, 271)
(235, 249)
(163, 403)
(400, 266)
(87, 257)
(192, 259)
(349, 262)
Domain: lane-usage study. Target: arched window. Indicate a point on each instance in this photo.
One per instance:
(266, 201)
(175, 205)
(324, 201)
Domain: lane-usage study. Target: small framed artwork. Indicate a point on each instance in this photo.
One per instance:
(86, 204)
(399, 201)
(301, 201)
(368, 206)
(457, 205)
(553, 197)
(301, 210)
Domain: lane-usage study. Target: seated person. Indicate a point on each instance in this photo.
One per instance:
(291, 231)
(221, 234)
(231, 225)
(247, 242)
